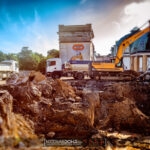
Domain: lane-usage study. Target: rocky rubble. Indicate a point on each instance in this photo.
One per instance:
(13, 126)
(55, 107)
(37, 106)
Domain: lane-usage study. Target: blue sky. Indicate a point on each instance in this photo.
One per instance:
(34, 23)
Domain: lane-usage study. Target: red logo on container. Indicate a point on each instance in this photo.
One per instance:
(78, 47)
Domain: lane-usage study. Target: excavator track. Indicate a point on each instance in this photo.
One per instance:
(127, 75)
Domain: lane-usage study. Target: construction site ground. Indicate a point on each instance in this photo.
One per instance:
(101, 114)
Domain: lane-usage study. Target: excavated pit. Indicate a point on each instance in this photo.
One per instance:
(126, 107)
(55, 109)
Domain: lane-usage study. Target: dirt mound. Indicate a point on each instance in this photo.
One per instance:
(36, 77)
(13, 127)
(63, 89)
(54, 106)
(119, 108)
(24, 77)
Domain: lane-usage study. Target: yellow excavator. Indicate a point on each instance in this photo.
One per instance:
(98, 70)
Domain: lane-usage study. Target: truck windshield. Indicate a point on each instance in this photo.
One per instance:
(51, 63)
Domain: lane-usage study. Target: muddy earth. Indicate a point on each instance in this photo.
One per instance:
(33, 108)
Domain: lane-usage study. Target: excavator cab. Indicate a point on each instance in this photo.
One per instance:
(120, 64)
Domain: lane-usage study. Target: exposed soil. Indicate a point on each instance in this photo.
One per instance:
(33, 106)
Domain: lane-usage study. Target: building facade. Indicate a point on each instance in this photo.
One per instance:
(137, 56)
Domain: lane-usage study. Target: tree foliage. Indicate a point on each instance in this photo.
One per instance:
(10, 56)
(26, 61)
(2, 56)
(42, 65)
(53, 53)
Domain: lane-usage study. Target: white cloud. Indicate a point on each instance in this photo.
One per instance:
(112, 27)
(137, 13)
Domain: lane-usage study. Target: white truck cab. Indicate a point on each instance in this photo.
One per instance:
(54, 67)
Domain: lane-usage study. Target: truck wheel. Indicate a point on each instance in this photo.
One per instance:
(91, 77)
(55, 76)
(80, 76)
(74, 76)
(96, 77)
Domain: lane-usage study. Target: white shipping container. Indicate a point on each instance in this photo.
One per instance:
(6, 67)
(9, 66)
(69, 50)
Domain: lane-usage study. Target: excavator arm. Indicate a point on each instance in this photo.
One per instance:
(125, 43)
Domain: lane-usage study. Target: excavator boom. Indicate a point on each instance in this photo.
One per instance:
(129, 41)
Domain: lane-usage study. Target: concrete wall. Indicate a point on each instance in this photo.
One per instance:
(140, 62)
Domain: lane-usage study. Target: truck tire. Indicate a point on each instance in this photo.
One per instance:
(75, 77)
(91, 77)
(96, 77)
(80, 76)
(56, 76)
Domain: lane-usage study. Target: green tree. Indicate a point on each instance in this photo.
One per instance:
(29, 60)
(26, 60)
(42, 65)
(53, 53)
(37, 58)
(12, 56)
(2, 56)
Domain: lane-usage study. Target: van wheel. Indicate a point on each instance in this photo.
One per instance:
(80, 76)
